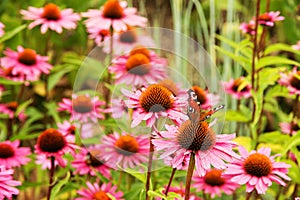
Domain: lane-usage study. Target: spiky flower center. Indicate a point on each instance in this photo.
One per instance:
(128, 36)
(237, 85)
(138, 64)
(113, 10)
(100, 195)
(156, 98)
(51, 12)
(6, 151)
(51, 141)
(140, 50)
(214, 178)
(27, 57)
(195, 136)
(295, 127)
(12, 105)
(265, 17)
(258, 165)
(127, 145)
(82, 104)
(72, 130)
(170, 85)
(201, 94)
(92, 158)
(295, 81)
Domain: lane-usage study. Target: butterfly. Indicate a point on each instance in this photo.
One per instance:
(193, 110)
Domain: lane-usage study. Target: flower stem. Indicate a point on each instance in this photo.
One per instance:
(189, 176)
(294, 113)
(151, 149)
(255, 43)
(51, 176)
(248, 195)
(170, 181)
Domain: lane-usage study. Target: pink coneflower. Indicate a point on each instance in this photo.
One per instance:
(96, 192)
(125, 41)
(26, 62)
(248, 28)
(87, 162)
(83, 108)
(1, 29)
(238, 88)
(10, 109)
(67, 128)
(154, 102)
(199, 138)
(257, 170)
(114, 14)
(296, 46)
(7, 184)
(124, 150)
(269, 18)
(291, 81)
(139, 67)
(98, 34)
(51, 142)
(175, 88)
(7, 73)
(214, 182)
(51, 17)
(45, 162)
(207, 100)
(285, 128)
(11, 155)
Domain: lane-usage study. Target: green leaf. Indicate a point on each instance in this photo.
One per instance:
(52, 110)
(55, 77)
(244, 141)
(56, 189)
(293, 141)
(23, 106)
(280, 47)
(238, 116)
(138, 175)
(245, 62)
(9, 34)
(269, 76)
(9, 82)
(275, 60)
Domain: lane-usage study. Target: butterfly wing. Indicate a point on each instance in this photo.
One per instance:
(193, 109)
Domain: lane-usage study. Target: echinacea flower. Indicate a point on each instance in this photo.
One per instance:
(114, 14)
(296, 46)
(291, 81)
(154, 102)
(11, 155)
(124, 150)
(7, 74)
(103, 192)
(175, 88)
(7, 184)
(26, 62)
(10, 109)
(248, 28)
(98, 34)
(207, 100)
(198, 138)
(45, 162)
(269, 18)
(87, 161)
(67, 128)
(1, 29)
(139, 67)
(83, 108)
(51, 142)
(51, 17)
(125, 41)
(286, 128)
(213, 183)
(257, 170)
(238, 88)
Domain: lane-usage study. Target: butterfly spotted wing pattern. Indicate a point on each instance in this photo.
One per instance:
(194, 112)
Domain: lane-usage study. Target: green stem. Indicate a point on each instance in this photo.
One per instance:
(170, 181)
(51, 176)
(151, 149)
(189, 176)
(248, 195)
